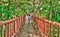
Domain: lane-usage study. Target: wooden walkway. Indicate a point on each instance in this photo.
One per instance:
(27, 31)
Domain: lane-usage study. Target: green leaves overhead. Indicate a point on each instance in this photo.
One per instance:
(57, 13)
(1, 8)
(6, 15)
(46, 7)
(22, 6)
(57, 8)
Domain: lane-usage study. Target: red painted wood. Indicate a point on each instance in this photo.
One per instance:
(41, 23)
(16, 22)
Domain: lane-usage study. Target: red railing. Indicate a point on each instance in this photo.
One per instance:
(10, 27)
(46, 27)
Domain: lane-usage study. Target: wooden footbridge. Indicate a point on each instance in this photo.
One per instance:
(39, 27)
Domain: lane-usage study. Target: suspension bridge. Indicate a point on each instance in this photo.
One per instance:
(40, 27)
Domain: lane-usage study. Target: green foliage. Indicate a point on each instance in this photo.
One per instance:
(19, 7)
(57, 13)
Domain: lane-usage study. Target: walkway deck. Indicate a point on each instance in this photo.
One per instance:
(27, 31)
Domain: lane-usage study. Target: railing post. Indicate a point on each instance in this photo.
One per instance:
(2, 31)
(14, 26)
(17, 24)
(57, 32)
(52, 31)
(8, 29)
(44, 25)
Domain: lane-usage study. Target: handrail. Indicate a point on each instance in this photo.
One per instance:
(51, 22)
(9, 28)
(8, 21)
(46, 27)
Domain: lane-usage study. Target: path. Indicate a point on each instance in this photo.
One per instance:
(27, 31)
